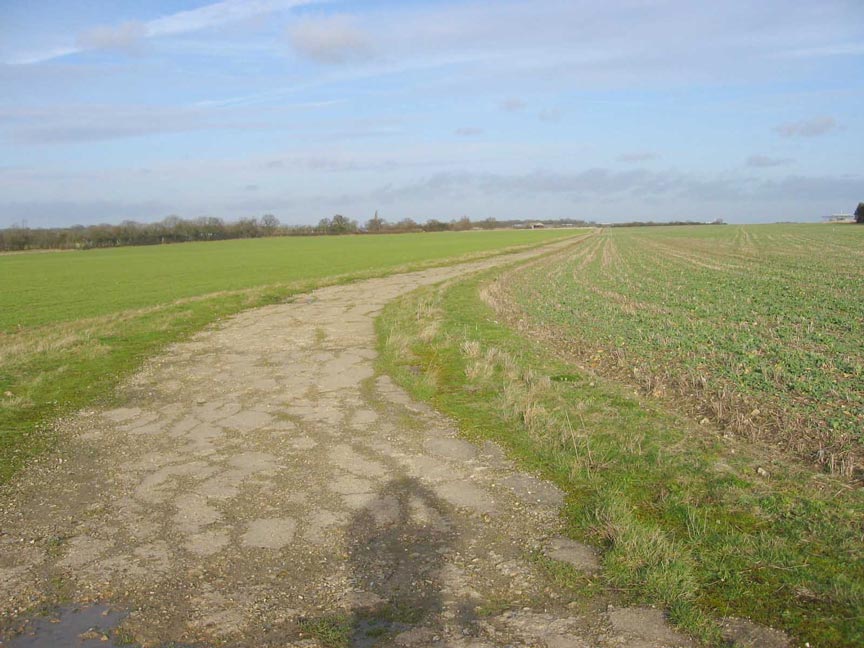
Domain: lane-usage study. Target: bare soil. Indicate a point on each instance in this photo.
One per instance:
(261, 485)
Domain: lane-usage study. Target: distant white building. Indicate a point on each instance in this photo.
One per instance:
(838, 218)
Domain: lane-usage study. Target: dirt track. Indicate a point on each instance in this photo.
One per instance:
(261, 485)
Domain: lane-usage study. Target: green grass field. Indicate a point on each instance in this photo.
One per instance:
(72, 324)
(44, 288)
(688, 516)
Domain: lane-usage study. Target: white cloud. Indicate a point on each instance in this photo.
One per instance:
(808, 127)
(183, 22)
(126, 36)
(330, 39)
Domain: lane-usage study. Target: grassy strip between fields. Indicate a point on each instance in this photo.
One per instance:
(49, 371)
(705, 526)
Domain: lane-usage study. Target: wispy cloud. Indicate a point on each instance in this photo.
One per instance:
(836, 49)
(29, 58)
(323, 163)
(93, 123)
(264, 97)
(513, 104)
(183, 22)
(762, 161)
(549, 115)
(642, 184)
(637, 156)
(808, 127)
(468, 131)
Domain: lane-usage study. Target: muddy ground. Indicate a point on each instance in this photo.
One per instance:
(261, 485)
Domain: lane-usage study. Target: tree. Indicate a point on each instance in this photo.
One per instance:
(339, 224)
(323, 226)
(460, 225)
(859, 213)
(434, 225)
(375, 224)
(246, 228)
(406, 225)
(269, 223)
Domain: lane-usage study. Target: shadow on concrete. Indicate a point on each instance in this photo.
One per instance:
(397, 545)
(397, 548)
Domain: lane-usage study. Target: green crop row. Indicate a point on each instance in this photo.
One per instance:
(757, 329)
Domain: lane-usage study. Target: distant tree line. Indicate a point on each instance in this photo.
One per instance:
(718, 221)
(174, 229)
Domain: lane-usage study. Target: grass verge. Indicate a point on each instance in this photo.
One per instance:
(705, 526)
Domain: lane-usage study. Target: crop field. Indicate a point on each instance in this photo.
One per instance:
(74, 323)
(756, 329)
(691, 390)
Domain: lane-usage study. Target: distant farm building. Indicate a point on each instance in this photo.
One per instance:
(838, 218)
(537, 226)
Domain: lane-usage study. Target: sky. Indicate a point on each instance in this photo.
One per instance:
(115, 110)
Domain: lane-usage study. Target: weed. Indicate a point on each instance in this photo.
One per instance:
(333, 631)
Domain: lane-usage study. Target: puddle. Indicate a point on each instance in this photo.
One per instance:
(78, 626)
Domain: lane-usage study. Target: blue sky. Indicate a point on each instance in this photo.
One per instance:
(638, 109)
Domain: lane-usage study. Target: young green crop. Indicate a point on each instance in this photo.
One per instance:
(757, 328)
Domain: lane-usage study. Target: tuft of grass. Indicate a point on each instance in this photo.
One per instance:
(333, 631)
(682, 515)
